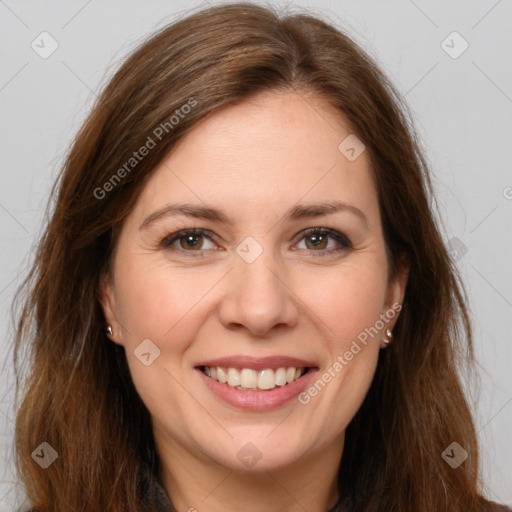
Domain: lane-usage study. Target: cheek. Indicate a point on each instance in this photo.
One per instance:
(347, 299)
(155, 299)
(159, 302)
(349, 303)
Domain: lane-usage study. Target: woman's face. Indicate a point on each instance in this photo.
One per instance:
(254, 291)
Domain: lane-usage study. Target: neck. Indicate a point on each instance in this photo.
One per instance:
(194, 484)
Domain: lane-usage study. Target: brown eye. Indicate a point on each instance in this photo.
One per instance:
(189, 240)
(324, 241)
(317, 241)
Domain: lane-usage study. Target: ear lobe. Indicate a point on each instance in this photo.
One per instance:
(107, 300)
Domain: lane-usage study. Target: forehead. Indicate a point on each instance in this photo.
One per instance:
(264, 154)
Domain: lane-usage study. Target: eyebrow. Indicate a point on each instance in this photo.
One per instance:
(297, 212)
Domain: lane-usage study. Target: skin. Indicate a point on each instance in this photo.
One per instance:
(254, 161)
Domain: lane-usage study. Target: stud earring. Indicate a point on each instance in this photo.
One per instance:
(387, 340)
(109, 330)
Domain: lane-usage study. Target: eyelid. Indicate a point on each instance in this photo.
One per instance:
(173, 237)
(341, 238)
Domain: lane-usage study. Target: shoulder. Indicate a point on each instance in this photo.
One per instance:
(163, 501)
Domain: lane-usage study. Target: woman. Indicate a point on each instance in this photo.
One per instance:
(242, 300)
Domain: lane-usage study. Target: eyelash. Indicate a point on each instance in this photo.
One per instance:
(344, 242)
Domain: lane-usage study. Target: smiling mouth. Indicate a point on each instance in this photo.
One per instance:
(247, 379)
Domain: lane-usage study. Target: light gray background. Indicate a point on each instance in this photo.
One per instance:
(462, 108)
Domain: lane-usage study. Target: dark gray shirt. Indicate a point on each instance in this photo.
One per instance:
(165, 505)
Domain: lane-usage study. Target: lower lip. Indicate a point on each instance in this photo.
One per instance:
(258, 400)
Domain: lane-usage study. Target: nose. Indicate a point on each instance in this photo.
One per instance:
(258, 298)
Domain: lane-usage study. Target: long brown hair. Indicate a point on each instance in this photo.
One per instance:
(78, 395)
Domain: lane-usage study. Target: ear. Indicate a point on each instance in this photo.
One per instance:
(106, 297)
(396, 290)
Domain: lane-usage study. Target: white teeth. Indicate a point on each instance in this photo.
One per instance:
(280, 376)
(249, 379)
(221, 375)
(266, 379)
(233, 377)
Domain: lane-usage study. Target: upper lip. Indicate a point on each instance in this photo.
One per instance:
(257, 363)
